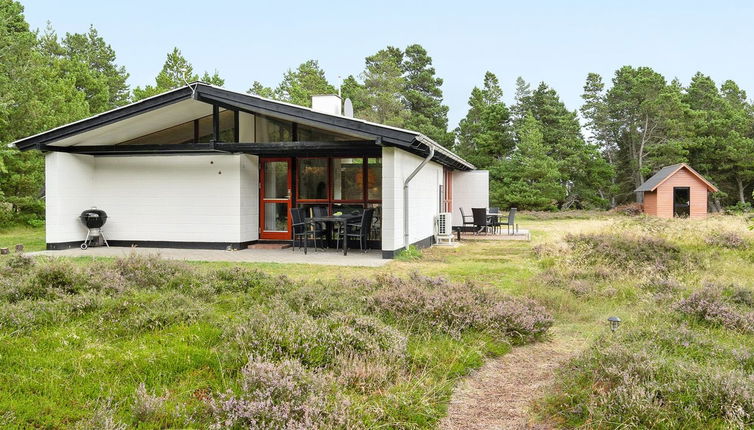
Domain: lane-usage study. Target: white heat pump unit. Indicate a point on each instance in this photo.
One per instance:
(443, 228)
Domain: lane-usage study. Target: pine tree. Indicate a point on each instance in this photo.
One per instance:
(423, 96)
(383, 88)
(529, 178)
(175, 73)
(298, 86)
(484, 136)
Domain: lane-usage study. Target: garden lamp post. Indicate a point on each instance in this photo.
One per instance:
(614, 323)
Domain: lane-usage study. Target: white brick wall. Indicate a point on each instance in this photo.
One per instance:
(424, 197)
(192, 198)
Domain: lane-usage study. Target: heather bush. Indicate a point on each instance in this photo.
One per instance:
(640, 378)
(103, 418)
(144, 312)
(146, 406)
(625, 252)
(279, 332)
(243, 280)
(152, 272)
(453, 308)
(727, 239)
(280, 395)
(710, 306)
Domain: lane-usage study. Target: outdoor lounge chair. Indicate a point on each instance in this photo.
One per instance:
(480, 219)
(302, 230)
(494, 220)
(361, 230)
(512, 227)
(468, 220)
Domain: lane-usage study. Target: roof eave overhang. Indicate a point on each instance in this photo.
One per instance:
(385, 135)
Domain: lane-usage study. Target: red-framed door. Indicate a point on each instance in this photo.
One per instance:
(275, 181)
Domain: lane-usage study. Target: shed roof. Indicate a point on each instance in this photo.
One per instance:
(666, 172)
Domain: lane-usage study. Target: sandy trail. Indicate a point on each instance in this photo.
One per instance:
(499, 395)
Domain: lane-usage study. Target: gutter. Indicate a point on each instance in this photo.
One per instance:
(405, 191)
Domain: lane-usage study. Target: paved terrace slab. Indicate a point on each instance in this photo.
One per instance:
(372, 258)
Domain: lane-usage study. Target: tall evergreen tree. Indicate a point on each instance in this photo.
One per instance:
(175, 73)
(383, 85)
(529, 178)
(258, 89)
(484, 136)
(298, 86)
(585, 173)
(34, 96)
(423, 96)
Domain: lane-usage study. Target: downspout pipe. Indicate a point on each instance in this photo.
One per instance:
(405, 193)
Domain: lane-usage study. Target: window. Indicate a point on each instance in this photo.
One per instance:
(272, 130)
(348, 179)
(374, 178)
(227, 127)
(313, 179)
(311, 134)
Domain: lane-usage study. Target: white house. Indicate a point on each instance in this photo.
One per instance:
(204, 167)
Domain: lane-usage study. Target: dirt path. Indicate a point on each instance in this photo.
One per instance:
(498, 395)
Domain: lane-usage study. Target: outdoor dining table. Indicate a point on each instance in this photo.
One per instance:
(330, 220)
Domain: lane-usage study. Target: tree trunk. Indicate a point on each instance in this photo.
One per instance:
(741, 196)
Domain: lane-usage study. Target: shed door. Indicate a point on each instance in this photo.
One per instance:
(681, 202)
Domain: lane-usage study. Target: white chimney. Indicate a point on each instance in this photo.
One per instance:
(327, 104)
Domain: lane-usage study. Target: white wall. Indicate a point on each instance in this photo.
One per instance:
(69, 190)
(249, 198)
(470, 190)
(424, 197)
(192, 198)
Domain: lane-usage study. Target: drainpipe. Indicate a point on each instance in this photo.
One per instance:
(405, 192)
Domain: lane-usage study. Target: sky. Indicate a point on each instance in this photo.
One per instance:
(557, 42)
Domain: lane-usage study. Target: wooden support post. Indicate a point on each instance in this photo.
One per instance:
(4, 251)
(19, 248)
(216, 123)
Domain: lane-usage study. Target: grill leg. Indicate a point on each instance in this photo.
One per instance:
(102, 233)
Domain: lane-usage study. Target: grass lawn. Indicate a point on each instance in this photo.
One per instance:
(164, 344)
(33, 238)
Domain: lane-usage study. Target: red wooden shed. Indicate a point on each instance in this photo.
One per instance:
(676, 191)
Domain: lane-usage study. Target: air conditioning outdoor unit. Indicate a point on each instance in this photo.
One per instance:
(443, 228)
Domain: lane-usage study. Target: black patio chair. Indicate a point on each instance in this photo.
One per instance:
(361, 230)
(468, 220)
(481, 222)
(494, 220)
(511, 221)
(303, 230)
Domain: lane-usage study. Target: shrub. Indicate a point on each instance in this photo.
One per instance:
(153, 272)
(144, 312)
(708, 305)
(727, 239)
(103, 418)
(454, 308)
(281, 333)
(631, 209)
(631, 253)
(280, 395)
(411, 253)
(239, 279)
(146, 406)
(636, 379)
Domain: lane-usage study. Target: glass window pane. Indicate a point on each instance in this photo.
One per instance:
(276, 180)
(309, 209)
(275, 217)
(376, 233)
(348, 179)
(347, 208)
(374, 178)
(311, 134)
(183, 133)
(272, 130)
(312, 178)
(227, 127)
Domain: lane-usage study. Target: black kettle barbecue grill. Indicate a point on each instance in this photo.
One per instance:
(93, 219)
